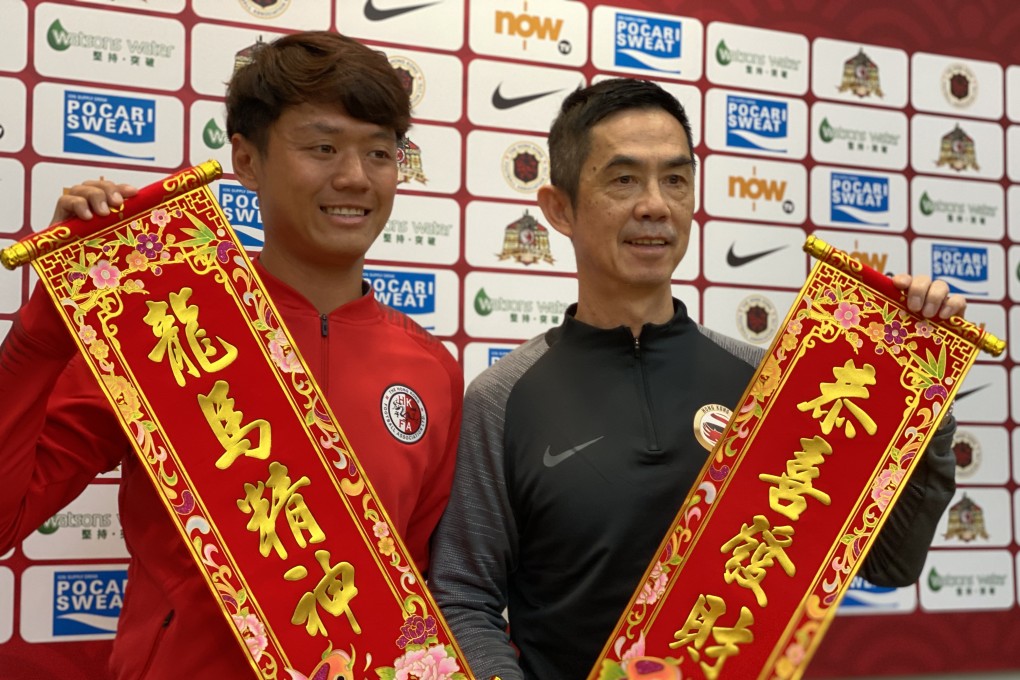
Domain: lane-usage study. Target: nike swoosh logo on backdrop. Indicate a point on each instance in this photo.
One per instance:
(552, 460)
(734, 260)
(501, 102)
(373, 13)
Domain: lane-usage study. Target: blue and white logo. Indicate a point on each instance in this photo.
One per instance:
(87, 602)
(413, 293)
(241, 206)
(953, 263)
(497, 353)
(859, 199)
(648, 43)
(863, 597)
(759, 124)
(108, 125)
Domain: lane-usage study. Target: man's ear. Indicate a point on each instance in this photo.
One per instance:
(556, 207)
(245, 158)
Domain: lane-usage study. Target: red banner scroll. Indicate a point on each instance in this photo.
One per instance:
(238, 440)
(750, 574)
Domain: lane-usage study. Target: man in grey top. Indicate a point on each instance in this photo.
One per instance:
(577, 449)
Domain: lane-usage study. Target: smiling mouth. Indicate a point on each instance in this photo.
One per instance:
(647, 241)
(344, 212)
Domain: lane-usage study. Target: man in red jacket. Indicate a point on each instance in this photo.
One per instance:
(314, 121)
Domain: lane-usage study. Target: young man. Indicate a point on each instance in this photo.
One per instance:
(578, 447)
(314, 122)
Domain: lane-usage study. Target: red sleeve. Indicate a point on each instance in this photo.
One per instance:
(57, 430)
(435, 488)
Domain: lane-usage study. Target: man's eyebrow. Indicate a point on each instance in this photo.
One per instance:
(323, 127)
(622, 160)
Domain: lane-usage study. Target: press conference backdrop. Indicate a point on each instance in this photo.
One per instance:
(892, 130)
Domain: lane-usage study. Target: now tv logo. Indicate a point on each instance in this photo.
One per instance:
(528, 25)
(770, 191)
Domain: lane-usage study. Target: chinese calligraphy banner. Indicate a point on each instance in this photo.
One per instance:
(792, 497)
(235, 435)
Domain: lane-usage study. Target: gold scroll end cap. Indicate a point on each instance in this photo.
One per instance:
(992, 344)
(14, 256)
(210, 169)
(816, 247)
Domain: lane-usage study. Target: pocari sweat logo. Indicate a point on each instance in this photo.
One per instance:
(953, 263)
(760, 124)
(649, 43)
(859, 199)
(864, 595)
(108, 125)
(87, 602)
(408, 292)
(241, 207)
(497, 353)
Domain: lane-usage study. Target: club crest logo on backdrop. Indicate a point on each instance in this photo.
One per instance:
(265, 9)
(860, 77)
(709, 423)
(957, 151)
(404, 413)
(526, 241)
(966, 521)
(525, 166)
(757, 318)
(409, 165)
(959, 85)
(967, 450)
(411, 77)
(244, 56)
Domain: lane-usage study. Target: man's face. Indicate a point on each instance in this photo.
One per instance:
(632, 219)
(325, 182)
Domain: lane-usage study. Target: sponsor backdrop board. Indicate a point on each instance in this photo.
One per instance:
(890, 129)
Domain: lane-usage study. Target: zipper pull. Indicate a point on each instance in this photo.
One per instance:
(324, 321)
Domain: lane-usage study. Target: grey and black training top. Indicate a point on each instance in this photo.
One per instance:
(577, 450)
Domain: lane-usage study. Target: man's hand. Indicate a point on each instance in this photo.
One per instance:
(90, 198)
(930, 298)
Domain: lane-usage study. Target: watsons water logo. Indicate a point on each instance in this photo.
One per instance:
(967, 585)
(857, 139)
(859, 199)
(213, 136)
(956, 211)
(407, 292)
(61, 40)
(649, 43)
(757, 124)
(725, 56)
(76, 520)
(87, 602)
(241, 207)
(519, 308)
(108, 125)
(960, 263)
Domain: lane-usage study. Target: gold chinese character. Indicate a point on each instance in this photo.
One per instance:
(164, 327)
(850, 382)
(265, 513)
(225, 423)
(332, 594)
(787, 494)
(701, 624)
(758, 554)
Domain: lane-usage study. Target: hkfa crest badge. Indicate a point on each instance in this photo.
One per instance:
(966, 521)
(967, 451)
(525, 166)
(403, 411)
(709, 424)
(265, 9)
(860, 76)
(411, 77)
(757, 318)
(244, 56)
(526, 241)
(959, 85)
(409, 165)
(957, 151)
